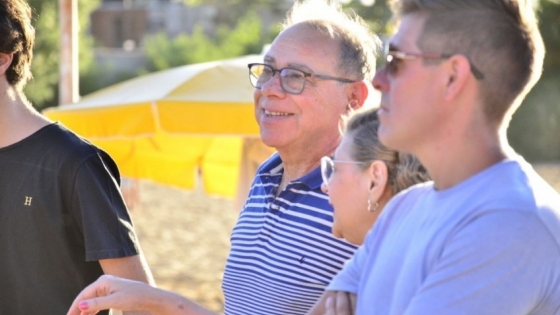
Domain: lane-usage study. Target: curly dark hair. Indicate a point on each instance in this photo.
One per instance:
(17, 37)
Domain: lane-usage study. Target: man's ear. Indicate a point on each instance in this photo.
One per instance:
(357, 94)
(378, 175)
(5, 62)
(458, 71)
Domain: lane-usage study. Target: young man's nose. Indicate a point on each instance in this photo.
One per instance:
(380, 80)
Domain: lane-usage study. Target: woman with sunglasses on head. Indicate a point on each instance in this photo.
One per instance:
(363, 175)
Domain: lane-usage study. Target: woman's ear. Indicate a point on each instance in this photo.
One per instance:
(378, 176)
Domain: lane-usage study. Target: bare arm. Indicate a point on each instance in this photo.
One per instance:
(128, 295)
(335, 303)
(132, 267)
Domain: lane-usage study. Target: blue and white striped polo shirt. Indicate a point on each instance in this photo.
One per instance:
(283, 253)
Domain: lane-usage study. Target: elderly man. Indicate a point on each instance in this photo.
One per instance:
(314, 76)
(484, 237)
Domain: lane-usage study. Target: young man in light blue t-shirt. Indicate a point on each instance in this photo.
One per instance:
(484, 236)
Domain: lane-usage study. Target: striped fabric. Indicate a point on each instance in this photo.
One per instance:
(282, 254)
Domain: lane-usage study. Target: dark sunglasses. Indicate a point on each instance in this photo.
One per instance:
(393, 58)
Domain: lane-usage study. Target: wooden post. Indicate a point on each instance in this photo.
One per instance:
(69, 74)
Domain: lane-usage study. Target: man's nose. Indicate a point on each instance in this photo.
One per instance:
(273, 84)
(380, 81)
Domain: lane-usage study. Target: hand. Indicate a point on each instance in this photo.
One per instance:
(111, 292)
(340, 303)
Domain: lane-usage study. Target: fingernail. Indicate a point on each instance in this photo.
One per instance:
(83, 305)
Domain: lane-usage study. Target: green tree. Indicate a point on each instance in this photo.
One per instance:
(535, 126)
(232, 10)
(42, 91)
(377, 15)
(549, 17)
(244, 38)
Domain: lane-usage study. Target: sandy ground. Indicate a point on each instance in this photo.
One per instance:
(185, 237)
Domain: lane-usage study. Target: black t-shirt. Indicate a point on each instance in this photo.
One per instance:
(60, 212)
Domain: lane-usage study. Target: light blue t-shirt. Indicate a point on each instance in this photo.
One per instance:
(489, 245)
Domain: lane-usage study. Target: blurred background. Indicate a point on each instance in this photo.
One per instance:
(122, 39)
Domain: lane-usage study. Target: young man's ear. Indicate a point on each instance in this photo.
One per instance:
(5, 62)
(459, 70)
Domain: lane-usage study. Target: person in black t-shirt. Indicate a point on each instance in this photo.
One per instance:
(63, 221)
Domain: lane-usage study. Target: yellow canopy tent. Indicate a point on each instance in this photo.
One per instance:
(170, 125)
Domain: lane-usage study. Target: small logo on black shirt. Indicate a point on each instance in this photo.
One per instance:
(28, 201)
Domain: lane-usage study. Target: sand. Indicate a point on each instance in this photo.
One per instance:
(185, 237)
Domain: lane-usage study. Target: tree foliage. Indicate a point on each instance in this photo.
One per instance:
(230, 12)
(536, 124)
(377, 16)
(245, 38)
(42, 91)
(549, 17)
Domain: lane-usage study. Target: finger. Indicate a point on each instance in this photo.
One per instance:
(329, 306)
(353, 301)
(88, 292)
(95, 305)
(97, 288)
(343, 305)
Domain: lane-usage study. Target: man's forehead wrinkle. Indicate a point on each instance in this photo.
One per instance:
(271, 60)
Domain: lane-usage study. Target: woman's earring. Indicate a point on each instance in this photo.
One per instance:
(369, 206)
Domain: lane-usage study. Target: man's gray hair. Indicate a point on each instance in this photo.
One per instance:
(358, 45)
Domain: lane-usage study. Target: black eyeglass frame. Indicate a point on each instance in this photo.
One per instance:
(392, 54)
(254, 79)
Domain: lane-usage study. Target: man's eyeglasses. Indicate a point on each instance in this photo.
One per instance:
(327, 167)
(392, 59)
(291, 80)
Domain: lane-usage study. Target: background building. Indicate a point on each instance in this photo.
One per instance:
(119, 27)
